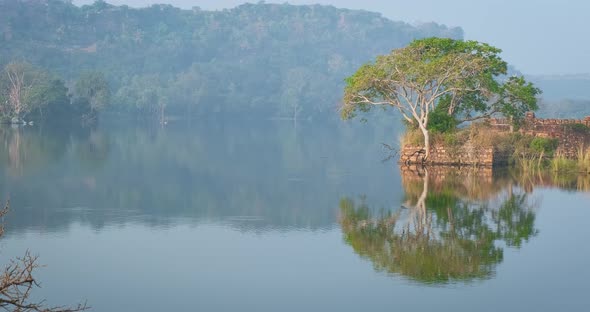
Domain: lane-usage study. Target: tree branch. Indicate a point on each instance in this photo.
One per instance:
(17, 282)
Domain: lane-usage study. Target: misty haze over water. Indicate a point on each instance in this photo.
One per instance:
(195, 160)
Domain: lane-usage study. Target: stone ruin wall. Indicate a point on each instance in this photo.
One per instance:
(570, 139)
(441, 155)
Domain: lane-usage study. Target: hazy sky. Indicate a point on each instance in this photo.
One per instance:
(537, 36)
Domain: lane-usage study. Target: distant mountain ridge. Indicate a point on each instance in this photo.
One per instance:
(558, 87)
(564, 96)
(276, 59)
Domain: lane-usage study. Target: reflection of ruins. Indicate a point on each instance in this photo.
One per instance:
(452, 226)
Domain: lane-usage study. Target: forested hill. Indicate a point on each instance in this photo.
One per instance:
(275, 59)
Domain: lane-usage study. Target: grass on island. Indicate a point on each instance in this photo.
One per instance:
(526, 152)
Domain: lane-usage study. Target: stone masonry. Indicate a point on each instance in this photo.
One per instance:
(571, 139)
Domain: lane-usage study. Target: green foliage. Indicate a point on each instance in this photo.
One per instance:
(441, 122)
(565, 172)
(579, 128)
(92, 90)
(544, 145)
(452, 139)
(39, 92)
(517, 147)
(272, 59)
(438, 83)
(51, 98)
(517, 224)
(141, 94)
(517, 97)
(454, 239)
(561, 164)
(42, 95)
(428, 67)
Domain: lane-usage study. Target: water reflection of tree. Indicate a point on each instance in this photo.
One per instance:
(25, 151)
(440, 237)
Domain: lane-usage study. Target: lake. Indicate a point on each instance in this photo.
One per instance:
(232, 215)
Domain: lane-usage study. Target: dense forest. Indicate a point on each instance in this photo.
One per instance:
(273, 60)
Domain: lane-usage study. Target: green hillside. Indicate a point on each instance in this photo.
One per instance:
(271, 59)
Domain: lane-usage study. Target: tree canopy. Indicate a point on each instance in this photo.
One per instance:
(92, 91)
(462, 79)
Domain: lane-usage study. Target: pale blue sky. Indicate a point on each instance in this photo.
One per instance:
(537, 36)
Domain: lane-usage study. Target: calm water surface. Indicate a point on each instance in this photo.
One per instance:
(226, 215)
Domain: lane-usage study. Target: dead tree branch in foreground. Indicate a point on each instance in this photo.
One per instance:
(17, 282)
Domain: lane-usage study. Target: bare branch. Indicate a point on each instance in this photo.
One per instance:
(17, 282)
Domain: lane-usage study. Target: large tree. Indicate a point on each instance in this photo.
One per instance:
(465, 79)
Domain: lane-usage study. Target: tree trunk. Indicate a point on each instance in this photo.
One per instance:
(421, 225)
(421, 203)
(426, 135)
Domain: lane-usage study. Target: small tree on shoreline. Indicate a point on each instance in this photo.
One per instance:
(20, 79)
(462, 77)
(27, 90)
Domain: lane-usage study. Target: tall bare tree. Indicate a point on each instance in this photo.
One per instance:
(21, 79)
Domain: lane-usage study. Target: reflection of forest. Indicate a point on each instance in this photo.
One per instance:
(249, 175)
(449, 227)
